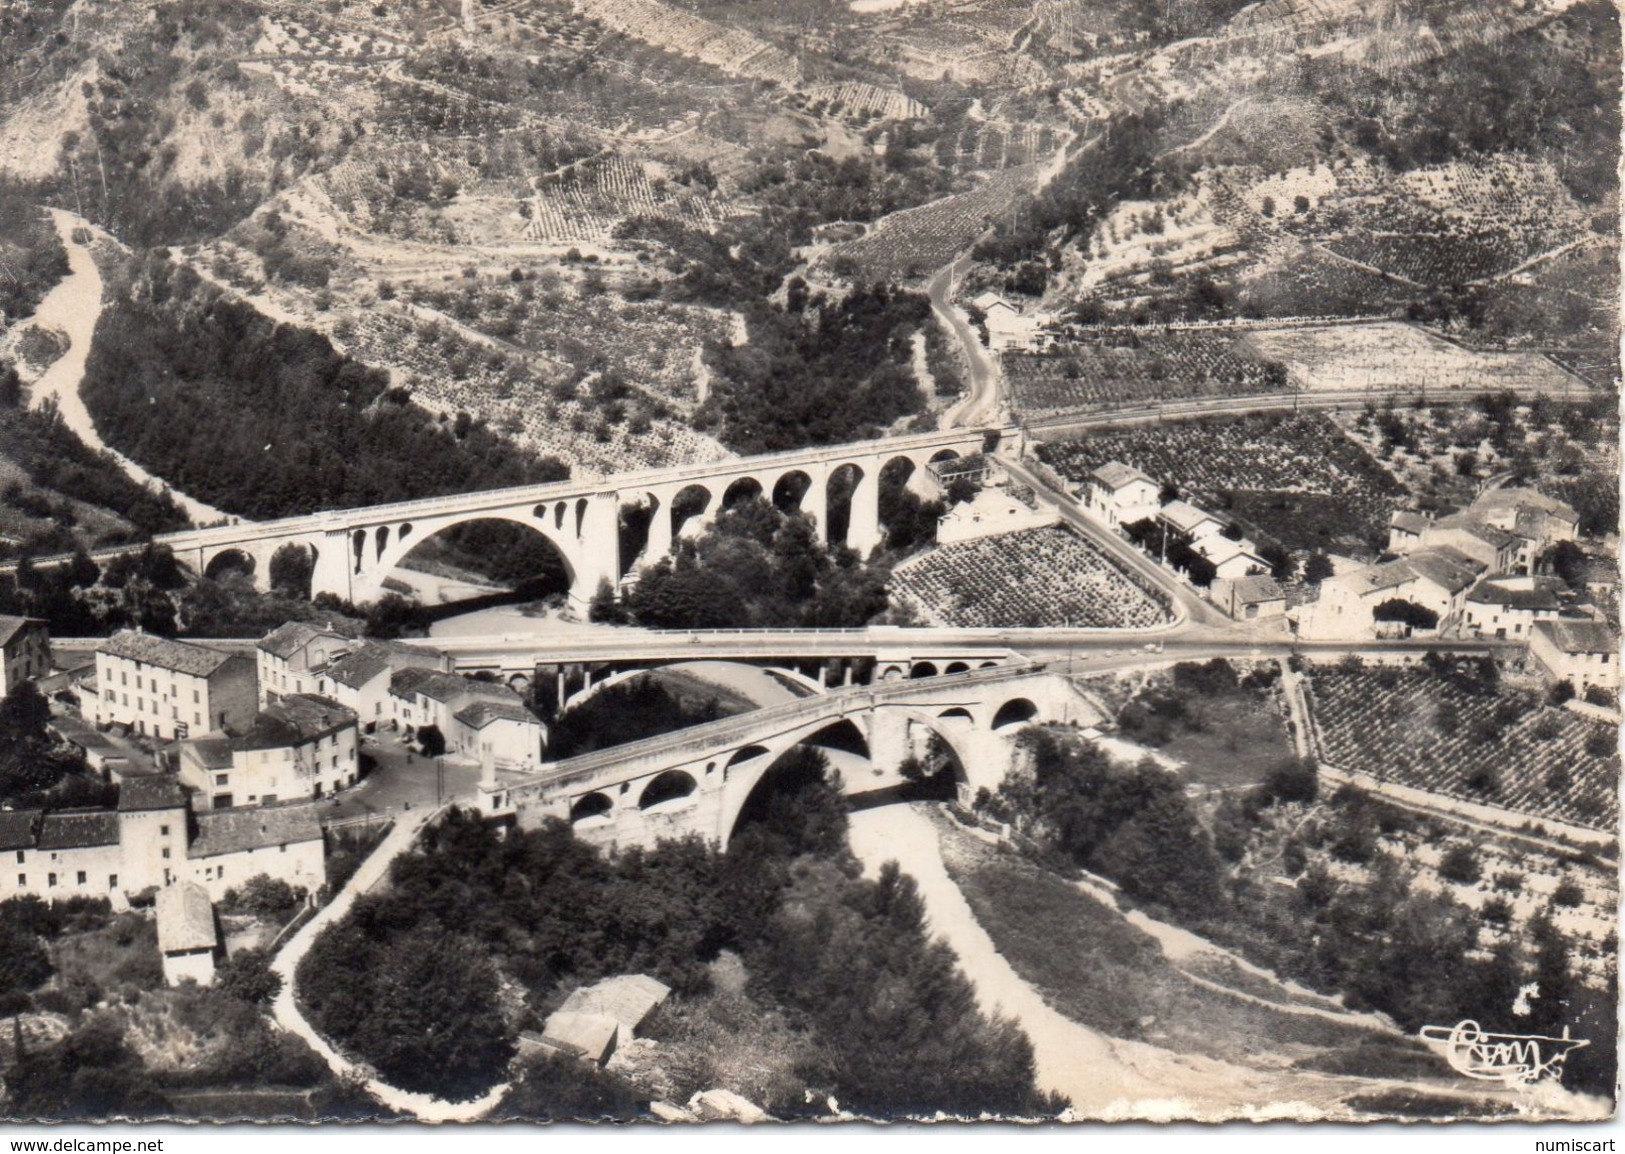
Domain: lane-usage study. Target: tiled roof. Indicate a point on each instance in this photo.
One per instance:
(1519, 593)
(447, 687)
(213, 750)
(1571, 636)
(483, 713)
(289, 638)
(18, 828)
(185, 918)
(1466, 523)
(1256, 588)
(1219, 549)
(224, 831)
(11, 626)
(1184, 516)
(295, 719)
(153, 791)
(164, 653)
(1114, 475)
(1512, 500)
(360, 665)
(1410, 522)
(590, 1035)
(1441, 569)
(77, 830)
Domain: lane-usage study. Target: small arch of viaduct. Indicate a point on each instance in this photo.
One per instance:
(355, 550)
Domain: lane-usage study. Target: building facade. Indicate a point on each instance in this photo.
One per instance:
(25, 651)
(1581, 652)
(169, 689)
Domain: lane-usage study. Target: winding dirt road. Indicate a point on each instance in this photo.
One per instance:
(73, 307)
(285, 1009)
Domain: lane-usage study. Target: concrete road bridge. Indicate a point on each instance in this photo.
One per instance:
(354, 550)
(698, 779)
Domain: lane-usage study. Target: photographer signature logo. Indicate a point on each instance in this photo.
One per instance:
(1512, 1059)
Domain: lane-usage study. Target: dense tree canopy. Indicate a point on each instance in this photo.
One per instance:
(266, 419)
(757, 566)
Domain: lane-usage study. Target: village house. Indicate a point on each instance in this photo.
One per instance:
(595, 1021)
(1581, 652)
(290, 656)
(1509, 606)
(1249, 598)
(990, 513)
(187, 936)
(152, 840)
(25, 651)
(1495, 549)
(1529, 513)
(510, 736)
(1230, 558)
(1007, 327)
(1189, 522)
(301, 658)
(1436, 580)
(1120, 494)
(170, 689)
(299, 747)
(1505, 529)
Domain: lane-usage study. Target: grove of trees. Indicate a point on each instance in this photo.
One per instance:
(409, 980)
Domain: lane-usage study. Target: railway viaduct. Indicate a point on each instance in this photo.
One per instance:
(354, 550)
(698, 780)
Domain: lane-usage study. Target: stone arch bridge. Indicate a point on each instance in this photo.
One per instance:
(354, 550)
(697, 781)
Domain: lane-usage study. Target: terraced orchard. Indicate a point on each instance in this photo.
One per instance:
(1025, 580)
(1504, 749)
(1120, 365)
(1294, 476)
(917, 242)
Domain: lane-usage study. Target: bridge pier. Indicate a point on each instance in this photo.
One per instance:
(863, 529)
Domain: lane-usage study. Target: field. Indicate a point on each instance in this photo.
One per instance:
(1028, 579)
(1261, 462)
(1112, 367)
(1414, 729)
(917, 242)
(853, 100)
(587, 200)
(1387, 356)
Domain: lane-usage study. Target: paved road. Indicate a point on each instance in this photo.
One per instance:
(981, 405)
(403, 782)
(73, 307)
(1191, 606)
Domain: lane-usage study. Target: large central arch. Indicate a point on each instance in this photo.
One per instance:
(554, 571)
